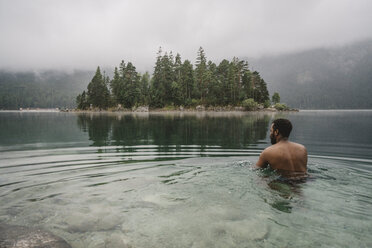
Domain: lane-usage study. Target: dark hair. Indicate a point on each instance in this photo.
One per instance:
(284, 127)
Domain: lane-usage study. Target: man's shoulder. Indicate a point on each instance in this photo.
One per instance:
(299, 146)
(280, 146)
(269, 150)
(274, 149)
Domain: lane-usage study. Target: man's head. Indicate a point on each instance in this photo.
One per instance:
(282, 127)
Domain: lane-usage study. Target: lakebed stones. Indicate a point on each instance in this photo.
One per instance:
(243, 231)
(27, 237)
(92, 222)
(101, 240)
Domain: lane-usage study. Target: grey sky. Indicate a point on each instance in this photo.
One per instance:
(43, 34)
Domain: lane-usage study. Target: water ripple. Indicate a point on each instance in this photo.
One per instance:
(164, 185)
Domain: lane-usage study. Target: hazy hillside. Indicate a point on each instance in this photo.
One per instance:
(47, 89)
(314, 79)
(321, 78)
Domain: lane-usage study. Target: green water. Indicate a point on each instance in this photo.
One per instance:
(185, 180)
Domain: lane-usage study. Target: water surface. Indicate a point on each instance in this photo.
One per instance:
(185, 180)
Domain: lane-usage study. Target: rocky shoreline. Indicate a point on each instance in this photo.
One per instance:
(199, 108)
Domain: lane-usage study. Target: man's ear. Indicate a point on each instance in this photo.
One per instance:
(276, 132)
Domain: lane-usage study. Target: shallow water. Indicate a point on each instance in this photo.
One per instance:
(185, 180)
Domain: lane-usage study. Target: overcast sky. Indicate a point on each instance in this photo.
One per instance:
(81, 34)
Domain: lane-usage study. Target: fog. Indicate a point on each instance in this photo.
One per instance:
(50, 34)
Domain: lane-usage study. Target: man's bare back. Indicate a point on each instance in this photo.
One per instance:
(283, 155)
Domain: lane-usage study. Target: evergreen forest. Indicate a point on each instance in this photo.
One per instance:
(322, 78)
(41, 89)
(177, 83)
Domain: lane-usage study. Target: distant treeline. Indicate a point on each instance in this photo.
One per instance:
(46, 89)
(176, 83)
(323, 78)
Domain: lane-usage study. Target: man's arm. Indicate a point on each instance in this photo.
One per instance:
(262, 160)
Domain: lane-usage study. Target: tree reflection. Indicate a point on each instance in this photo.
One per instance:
(98, 127)
(175, 130)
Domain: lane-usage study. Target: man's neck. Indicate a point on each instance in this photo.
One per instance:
(281, 139)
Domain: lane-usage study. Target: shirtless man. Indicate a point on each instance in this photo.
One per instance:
(284, 156)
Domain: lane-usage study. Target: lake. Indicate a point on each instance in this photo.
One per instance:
(185, 179)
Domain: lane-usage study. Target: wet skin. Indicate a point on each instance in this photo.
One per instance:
(284, 156)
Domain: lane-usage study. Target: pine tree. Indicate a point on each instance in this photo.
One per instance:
(167, 78)
(247, 84)
(131, 86)
(265, 97)
(223, 80)
(176, 89)
(115, 86)
(261, 94)
(156, 88)
(82, 101)
(187, 82)
(212, 84)
(107, 95)
(242, 71)
(178, 68)
(97, 91)
(255, 79)
(275, 98)
(200, 73)
(145, 88)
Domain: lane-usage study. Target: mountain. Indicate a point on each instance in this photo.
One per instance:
(324, 78)
(46, 89)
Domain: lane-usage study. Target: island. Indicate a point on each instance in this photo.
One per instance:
(177, 85)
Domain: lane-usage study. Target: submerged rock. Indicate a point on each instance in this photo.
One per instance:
(242, 231)
(27, 237)
(92, 222)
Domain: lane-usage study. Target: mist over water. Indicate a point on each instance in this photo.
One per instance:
(185, 180)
